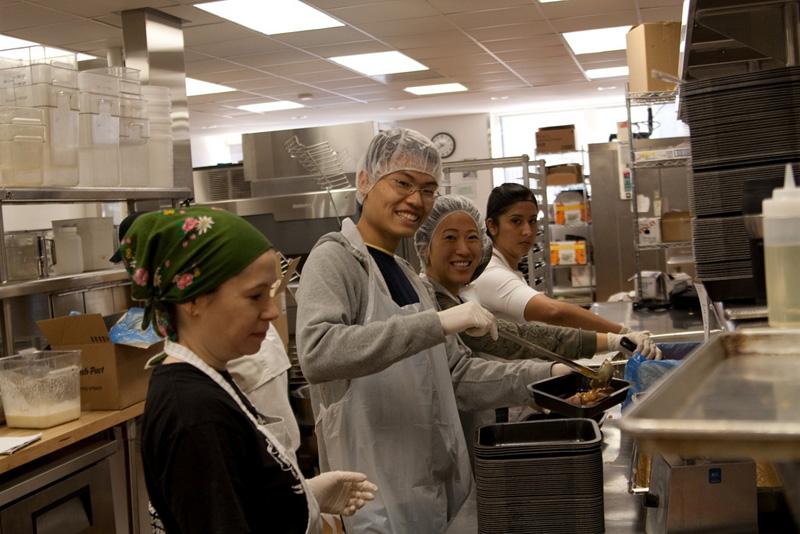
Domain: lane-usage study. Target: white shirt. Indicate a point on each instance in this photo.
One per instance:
(501, 289)
(262, 377)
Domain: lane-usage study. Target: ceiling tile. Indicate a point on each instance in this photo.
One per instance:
(420, 54)
(303, 67)
(72, 32)
(350, 83)
(562, 10)
(258, 84)
(592, 22)
(216, 33)
(659, 3)
(199, 68)
(389, 28)
(99, 8)
(443, 39)
(661, 14)
(617, 56)
(278, 57)
(191, 15)
(510, 31)
(328, 36)
(239, 47)
(18, 16)
(346, 49)
(528, 55)
(333, 4)
(460, 6)
(496, 17)
(323, 76)
(234, 75)
(112, 20)
(471, 60)
(530, 44)
(389, 10)
(219, 97)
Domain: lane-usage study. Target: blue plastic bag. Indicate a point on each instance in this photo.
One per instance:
(643, 373)
(128, 330)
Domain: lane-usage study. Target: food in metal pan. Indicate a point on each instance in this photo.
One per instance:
(583, 398)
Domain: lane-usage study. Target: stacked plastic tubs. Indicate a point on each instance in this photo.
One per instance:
(46, 79)
(159, 147)
(22, 141)
(540, 477)
(99, 127)
(134, 134)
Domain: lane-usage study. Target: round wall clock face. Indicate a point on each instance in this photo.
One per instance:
(444, 143)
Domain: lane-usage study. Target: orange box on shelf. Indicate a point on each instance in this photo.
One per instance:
(568, 252)
(676, 226)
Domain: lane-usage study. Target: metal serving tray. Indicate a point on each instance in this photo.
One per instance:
(737, 396)
(552, 393)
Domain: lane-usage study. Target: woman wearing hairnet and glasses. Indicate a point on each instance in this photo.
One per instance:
(387, 373)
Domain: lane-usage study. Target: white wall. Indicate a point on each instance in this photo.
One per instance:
(471, 133)
(38, 217)
(208, 150)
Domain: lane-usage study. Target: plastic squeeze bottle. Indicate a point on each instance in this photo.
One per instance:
(782, 253)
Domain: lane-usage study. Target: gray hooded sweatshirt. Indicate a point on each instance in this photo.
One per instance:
(334, 346)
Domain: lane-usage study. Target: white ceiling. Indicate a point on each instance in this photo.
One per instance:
(497, 48)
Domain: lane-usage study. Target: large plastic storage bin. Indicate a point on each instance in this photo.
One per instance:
(22, 139)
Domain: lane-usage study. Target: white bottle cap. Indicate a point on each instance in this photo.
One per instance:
(785, 201)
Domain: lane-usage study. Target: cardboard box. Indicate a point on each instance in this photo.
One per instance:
(555, 139)
(653, 45)
(570, 173)
(676, 226)
(112, 376)
(568, 252)
(649, 231)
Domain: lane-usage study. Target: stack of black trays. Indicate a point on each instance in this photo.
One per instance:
(744, 127)
(540, 477)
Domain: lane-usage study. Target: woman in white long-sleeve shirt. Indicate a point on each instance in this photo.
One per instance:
(511, 214)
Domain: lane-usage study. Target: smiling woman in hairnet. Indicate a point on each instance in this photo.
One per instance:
(453, 249)
(388, 376)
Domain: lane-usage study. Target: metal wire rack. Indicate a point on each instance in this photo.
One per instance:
(322, 160)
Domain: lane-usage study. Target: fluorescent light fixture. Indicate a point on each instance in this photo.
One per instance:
(378, 63)
(199, 87)
(277, 105)
(608, 72)
(601, 40)
(85, 57)
(6, 42)
(608, 88)
(436, 89)
(270, 18)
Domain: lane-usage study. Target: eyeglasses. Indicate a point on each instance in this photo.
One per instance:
(428, 192)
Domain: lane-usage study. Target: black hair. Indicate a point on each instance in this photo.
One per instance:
(503, 197)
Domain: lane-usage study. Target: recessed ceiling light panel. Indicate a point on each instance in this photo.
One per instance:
(277, 105)
(436, 89)
(378, 63)
(608, 72)
(199, 87)
(600, 40)
(273, 17)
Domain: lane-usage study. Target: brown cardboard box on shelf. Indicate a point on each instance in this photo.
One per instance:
(652, 45)
(555, 139)
(676, 226)
(113, 377)
(570, 173)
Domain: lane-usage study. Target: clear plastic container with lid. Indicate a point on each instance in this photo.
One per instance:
(38, 64)
(110, 81)
(134, 133)
(781, 215)
(98, 152)
(22, 140)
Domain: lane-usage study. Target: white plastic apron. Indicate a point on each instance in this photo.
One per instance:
(401, 427)
(274, 446)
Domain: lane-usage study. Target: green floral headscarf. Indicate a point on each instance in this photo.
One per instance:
(175, 255)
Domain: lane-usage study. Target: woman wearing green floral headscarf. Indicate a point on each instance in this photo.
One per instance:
(210, 464)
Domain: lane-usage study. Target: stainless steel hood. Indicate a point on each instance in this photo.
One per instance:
(272, 171)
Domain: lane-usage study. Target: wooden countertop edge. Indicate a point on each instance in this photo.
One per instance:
(60, 436)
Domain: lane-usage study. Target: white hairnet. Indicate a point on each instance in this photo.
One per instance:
(398, 149)
(444, 206)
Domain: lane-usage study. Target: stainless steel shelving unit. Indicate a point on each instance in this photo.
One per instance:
(542, 264)
(78, 282)
(647, 99)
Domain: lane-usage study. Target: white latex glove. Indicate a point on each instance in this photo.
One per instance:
(644, 344)
(471, 318)
(342, 492)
